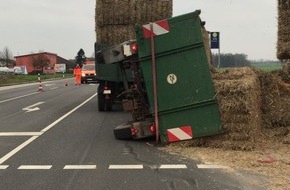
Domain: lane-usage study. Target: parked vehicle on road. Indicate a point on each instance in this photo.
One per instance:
(88, 73)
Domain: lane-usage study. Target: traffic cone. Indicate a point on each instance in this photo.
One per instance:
(40, 89)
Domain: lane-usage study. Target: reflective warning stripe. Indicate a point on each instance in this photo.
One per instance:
(179, 134)
(159, 28)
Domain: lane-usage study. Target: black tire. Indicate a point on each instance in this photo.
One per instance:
(101, 98)
(123, 132)
(104, 104)
(108, 105)
(101, 102)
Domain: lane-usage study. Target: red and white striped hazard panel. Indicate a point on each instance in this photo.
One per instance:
(179, 134)
(159, 28)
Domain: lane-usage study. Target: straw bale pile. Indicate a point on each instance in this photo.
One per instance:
(276, 101)
(116, 19)
(238, 95)
(254, 107)
(283, 44)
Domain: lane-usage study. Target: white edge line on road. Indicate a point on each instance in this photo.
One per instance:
(2, 101)
(14, 151)
(2, 134)
(54, 88)
(17, 149)
(173, 166)
(67, 114)
(35, 167)
(210, 166)
(3, 167)
(122, 167)
(80, 167)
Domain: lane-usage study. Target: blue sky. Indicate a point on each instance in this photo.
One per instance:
(65, 26)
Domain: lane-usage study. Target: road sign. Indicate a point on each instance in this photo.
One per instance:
(215, 40)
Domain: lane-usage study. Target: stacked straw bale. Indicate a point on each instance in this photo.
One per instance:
(253, 104)
(116, 19)
(275, 101)
(239, 97)
(283, 43)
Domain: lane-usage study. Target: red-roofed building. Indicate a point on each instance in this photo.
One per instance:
(35, 62)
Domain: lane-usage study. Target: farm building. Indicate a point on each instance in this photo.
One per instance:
(41, 62)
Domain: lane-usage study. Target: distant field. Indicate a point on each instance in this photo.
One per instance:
(10, 79)
(268, 67)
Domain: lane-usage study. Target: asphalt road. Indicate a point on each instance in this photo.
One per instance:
(56, 139)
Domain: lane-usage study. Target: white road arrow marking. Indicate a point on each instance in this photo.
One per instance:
(32, 107)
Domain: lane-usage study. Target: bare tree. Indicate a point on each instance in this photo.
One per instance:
(39, 61)
(6, 58)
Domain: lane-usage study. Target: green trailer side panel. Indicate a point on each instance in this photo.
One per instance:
(108, 72)
(185, 91)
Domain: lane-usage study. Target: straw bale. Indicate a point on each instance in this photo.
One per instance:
(283, 43)
(115, 34)
(254, 107)
(275, 101)
(131, 12)
(238, 95)
(115, 19)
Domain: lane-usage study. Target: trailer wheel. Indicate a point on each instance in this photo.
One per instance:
(123, 132)
(108, 105)
(101, 102)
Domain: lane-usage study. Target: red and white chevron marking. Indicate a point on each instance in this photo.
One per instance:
(159, 28)
(179, 134)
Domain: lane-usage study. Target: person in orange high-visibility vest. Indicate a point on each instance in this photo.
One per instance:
(78, 74)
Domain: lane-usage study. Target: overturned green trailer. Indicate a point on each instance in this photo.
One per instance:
(172, 94)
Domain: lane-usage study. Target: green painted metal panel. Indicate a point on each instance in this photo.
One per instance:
(185, 91)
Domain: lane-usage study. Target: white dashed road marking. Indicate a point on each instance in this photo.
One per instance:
(116, 167)
(80, 167)
(35, 167)
(125, 167)
(209, 166)
(173, 166)
(3, 167)
(2, 134)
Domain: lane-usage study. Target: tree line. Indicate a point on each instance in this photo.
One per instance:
(231, 60)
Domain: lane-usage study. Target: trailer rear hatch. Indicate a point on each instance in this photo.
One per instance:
(187, 106)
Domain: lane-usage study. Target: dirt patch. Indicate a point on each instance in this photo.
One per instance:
(276, 174)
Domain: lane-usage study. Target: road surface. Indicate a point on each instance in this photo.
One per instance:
(56, 139)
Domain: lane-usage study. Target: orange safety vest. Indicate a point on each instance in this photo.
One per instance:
(77, 71)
